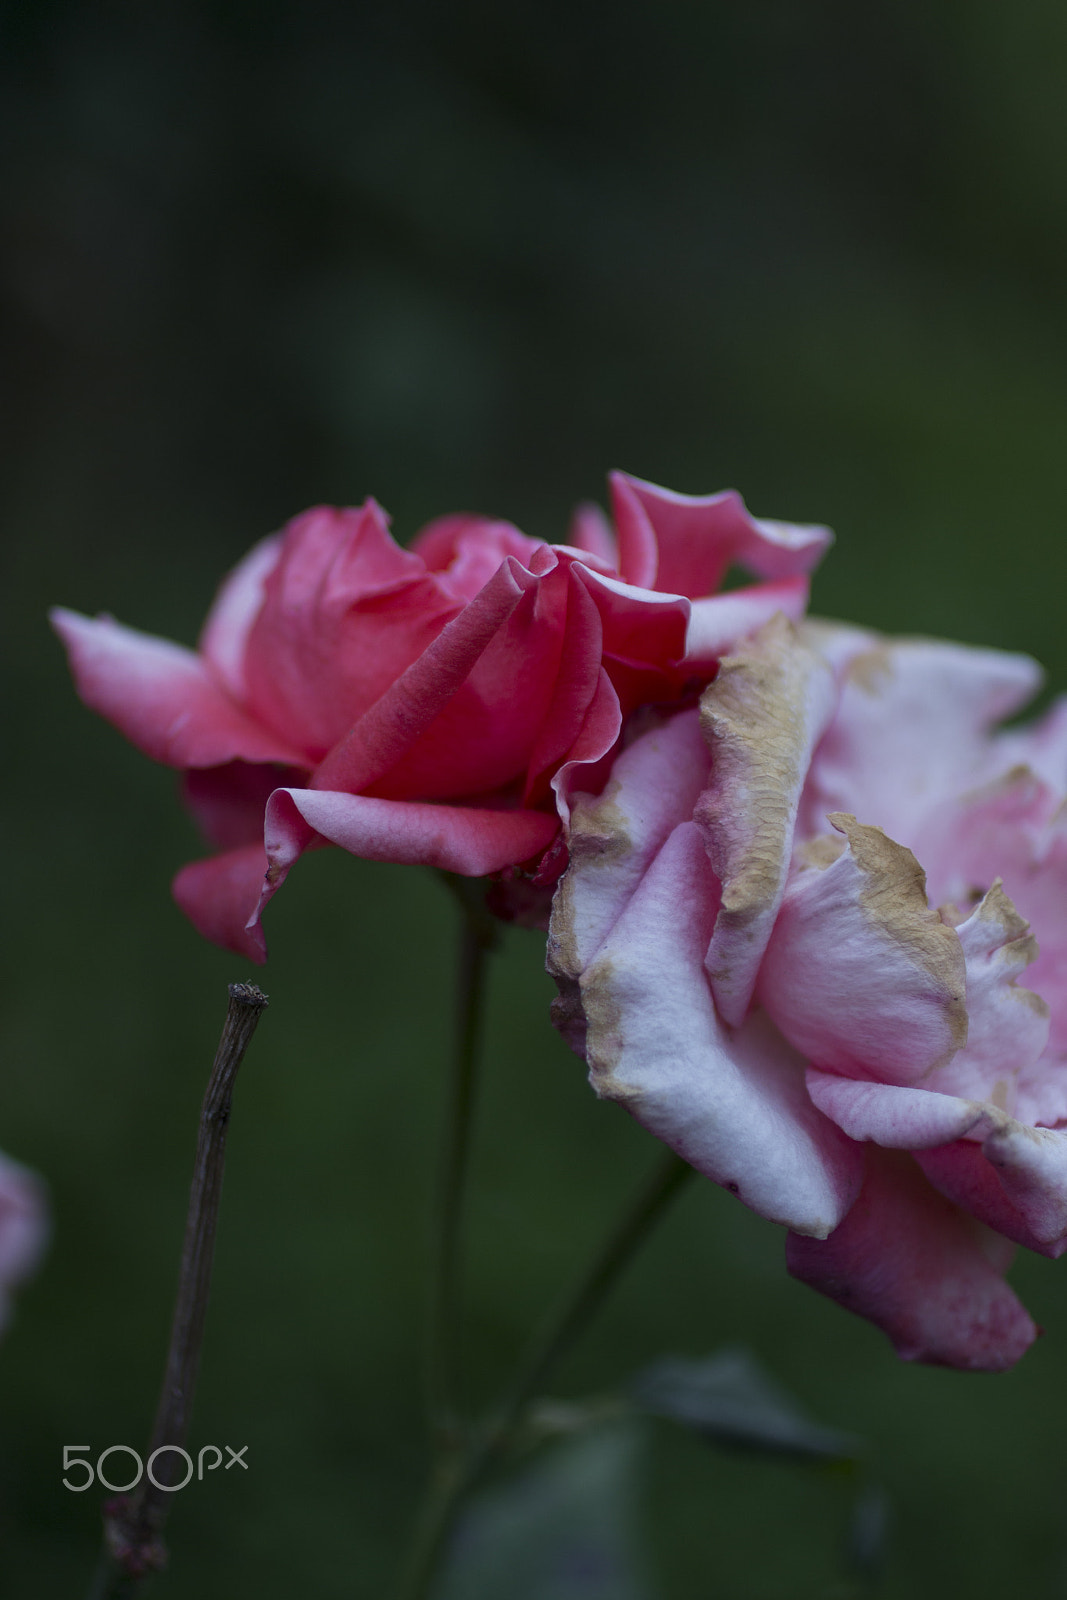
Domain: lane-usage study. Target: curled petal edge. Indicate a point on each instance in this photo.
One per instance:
(461, 839)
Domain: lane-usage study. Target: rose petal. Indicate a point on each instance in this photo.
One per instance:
(464, 839)
(1042, 746)
(237, 605)
(968, 1097)
(642, 627)
(718, 624)
(407, 708)
(733, 1104)
(638, 551)
(1007, 1025)
(1011, 1176)
(920, 1270)
(483, 739)
(228, 802)
(1031, 1163)
(859, 974)
(1015, 828)
(345, 612)
(219, 895)
(591, 531)
(912, 730)
(163, 698)
(894, 1117)
(466, 550)
(613, 838)
(576, 681)
(762, 717)
(461, 839)
(1016, 1181)
(587, 766)
(685, 543)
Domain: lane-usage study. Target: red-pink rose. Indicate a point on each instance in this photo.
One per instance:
(422, 705)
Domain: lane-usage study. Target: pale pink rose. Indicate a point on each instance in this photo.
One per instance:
(750, 959)
(23, 1228)
(427, 705)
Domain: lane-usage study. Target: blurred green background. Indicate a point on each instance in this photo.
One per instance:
(258, 255)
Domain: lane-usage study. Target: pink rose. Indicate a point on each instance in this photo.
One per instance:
(749, 960)
(23, 1228)
(432, 704)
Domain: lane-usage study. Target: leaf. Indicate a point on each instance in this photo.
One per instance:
(563, 1529)
(731, 1399)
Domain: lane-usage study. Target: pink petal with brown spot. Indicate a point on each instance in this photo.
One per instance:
(860, 975)
(762, 718)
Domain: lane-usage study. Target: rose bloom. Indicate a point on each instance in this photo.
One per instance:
(792, 941)
(428, 705)
(23, 1228)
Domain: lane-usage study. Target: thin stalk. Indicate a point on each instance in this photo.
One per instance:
(444, 1383)
(466, 1468)
(134, 1523)
(587, 1295)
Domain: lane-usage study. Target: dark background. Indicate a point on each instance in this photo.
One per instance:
(261, 255)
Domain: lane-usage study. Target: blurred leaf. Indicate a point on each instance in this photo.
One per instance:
(564, 1529)
(730, 1399)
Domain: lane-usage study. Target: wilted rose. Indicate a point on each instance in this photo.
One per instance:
(750, 959)
(431, 704)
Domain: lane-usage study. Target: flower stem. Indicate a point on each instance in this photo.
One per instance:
(462, 1469)
(134, 1523)
(477, 938)
(587, 1295)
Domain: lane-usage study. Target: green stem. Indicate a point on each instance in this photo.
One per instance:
(462, 1471)
(587, 1295)
(443, 1354)
(437, 1517)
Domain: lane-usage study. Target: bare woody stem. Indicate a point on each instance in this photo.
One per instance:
(134, 1523)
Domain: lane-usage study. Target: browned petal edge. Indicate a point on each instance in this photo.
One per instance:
(586, 1011)
(821, 851)
(589, 1017)
(597, 834)
(604, 1033)
(871, 670)
(894, 899)
(755, 719)
(1019, 946)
